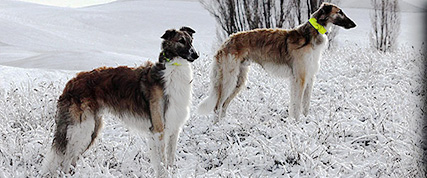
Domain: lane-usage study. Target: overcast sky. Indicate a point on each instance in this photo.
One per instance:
(83, 3)
(69, 3)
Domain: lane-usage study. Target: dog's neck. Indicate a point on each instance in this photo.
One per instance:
(320, 28)
(311, 34)
(170, 58)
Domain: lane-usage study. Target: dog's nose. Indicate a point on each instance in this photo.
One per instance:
(194, 55)
(353, 25)
(350, 25)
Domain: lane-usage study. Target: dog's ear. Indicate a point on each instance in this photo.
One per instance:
(325, 8)
(189, 30)
(323, 13)
(169, 34)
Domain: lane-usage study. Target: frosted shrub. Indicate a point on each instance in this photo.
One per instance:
(364, 121)
(385, 21)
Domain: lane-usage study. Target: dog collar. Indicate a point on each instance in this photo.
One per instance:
(317, 26)
(169, 60)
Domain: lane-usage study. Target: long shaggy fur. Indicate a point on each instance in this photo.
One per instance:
(281, 52)
(152, 98)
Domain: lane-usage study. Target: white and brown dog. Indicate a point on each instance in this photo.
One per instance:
(283, 53)
(153, 98)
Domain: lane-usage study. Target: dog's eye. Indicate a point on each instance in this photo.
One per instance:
(181, 40)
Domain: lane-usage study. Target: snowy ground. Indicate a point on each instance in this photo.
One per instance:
(365, 118)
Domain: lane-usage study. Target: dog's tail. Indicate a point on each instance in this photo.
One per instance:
(56, 154)
(209, 103)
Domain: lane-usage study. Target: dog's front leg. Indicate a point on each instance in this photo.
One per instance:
(171, 141)
(158, 130)
(297, 89)
(157, 156)
(307, 96)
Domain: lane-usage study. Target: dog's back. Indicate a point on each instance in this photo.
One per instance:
(120, 89)
(262, 45)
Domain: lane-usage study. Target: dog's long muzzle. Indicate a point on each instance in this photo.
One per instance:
(193, 55)
(349, 24)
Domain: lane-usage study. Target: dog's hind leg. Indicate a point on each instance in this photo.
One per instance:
(80, 135)
(229, 70)
(307, 96)
(97, 129)
(208, 104)
(241, 83)
(76, 129)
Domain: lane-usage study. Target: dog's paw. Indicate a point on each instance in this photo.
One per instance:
(305, 112)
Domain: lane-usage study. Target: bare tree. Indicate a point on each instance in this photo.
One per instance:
(385, 21)
(297, 6)
(240, 15)
(313, 5)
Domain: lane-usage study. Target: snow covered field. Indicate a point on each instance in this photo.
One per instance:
(365, 118)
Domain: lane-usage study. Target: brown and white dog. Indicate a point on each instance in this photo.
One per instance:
(281, 52)
(153, 98)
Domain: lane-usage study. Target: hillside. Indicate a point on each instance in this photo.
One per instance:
(365, 120)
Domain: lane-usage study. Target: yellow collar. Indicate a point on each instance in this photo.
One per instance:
(169, 60)
(317, 26)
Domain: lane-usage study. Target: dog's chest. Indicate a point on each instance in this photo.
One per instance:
(178, 84)
(320, 43)
(312, 59)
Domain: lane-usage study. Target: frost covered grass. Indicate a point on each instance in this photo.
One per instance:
(365, 120)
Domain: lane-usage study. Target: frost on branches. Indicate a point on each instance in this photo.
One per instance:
(385, 21)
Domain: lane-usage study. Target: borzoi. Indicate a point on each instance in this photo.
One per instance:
(153, 98)
(281, 52)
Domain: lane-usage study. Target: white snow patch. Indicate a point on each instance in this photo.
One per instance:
(364, 121)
